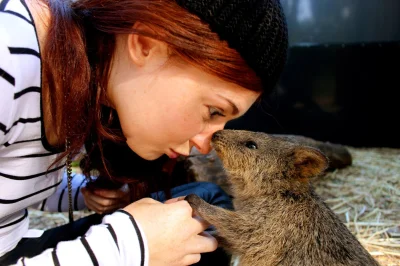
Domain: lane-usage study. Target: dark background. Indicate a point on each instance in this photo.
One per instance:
(341, 82)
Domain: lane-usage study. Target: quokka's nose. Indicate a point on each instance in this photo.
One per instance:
(216, 135)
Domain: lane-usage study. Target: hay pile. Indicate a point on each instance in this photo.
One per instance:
(365, 195)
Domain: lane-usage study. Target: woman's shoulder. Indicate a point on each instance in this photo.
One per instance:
(17, 29)
(15, 15)
(20, 74)
(19, 48)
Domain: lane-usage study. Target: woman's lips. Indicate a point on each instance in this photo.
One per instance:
(172, 154)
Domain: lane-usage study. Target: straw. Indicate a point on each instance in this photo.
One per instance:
(366, 196)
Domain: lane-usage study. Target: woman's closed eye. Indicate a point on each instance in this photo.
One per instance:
(214, 112)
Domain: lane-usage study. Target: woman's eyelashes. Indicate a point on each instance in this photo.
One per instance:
(214, 112)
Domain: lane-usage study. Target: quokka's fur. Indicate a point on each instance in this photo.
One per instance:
(278, 218)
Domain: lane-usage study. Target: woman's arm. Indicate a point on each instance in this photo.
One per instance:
(8, 72)
(119, 240)
(59, 200)
(145, 231)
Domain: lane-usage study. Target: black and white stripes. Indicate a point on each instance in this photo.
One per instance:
(10, 79)
(53, 255)
(25, 91)
(112, 233)
(89, 251)
(140, 238)
(118, 241)
(25, 176)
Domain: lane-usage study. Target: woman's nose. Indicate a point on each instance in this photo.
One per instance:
(202, 141)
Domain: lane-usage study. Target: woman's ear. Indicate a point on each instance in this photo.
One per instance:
(144, 49)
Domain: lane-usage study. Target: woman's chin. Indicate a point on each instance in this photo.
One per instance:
(149, 156)
(143, 152)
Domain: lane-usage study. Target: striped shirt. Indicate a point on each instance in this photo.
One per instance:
(25, 157)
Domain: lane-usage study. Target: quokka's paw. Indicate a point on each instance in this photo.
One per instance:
(194, 200)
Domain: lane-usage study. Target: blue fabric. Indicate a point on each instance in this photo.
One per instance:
(209, 192)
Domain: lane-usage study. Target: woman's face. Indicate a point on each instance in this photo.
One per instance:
(165, 106)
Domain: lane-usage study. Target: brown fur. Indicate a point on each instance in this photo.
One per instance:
(278, 218)
(338, 155)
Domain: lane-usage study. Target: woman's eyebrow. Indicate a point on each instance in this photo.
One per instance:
(235, 109)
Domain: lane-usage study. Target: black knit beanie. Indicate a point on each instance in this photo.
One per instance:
(255, 28)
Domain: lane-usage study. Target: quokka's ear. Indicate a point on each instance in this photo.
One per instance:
(309, 162)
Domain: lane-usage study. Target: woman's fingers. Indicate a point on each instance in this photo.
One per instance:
(202, 243)
(98, 199)
(95, 206)
(201, 223)
(191, 259)
(100, 204)
(110, 194)
(174, 200)
(100, 209)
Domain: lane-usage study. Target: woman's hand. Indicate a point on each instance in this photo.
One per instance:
(105, 200)
(175, 236)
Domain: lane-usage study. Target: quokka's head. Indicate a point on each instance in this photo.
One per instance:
(258, 159)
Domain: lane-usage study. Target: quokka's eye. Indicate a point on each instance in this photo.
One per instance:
(251, 145)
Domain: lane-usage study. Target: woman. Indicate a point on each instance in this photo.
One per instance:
(168, 73)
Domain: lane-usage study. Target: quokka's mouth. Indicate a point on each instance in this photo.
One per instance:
(216, 146)
(219, 142)
(219, 147)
